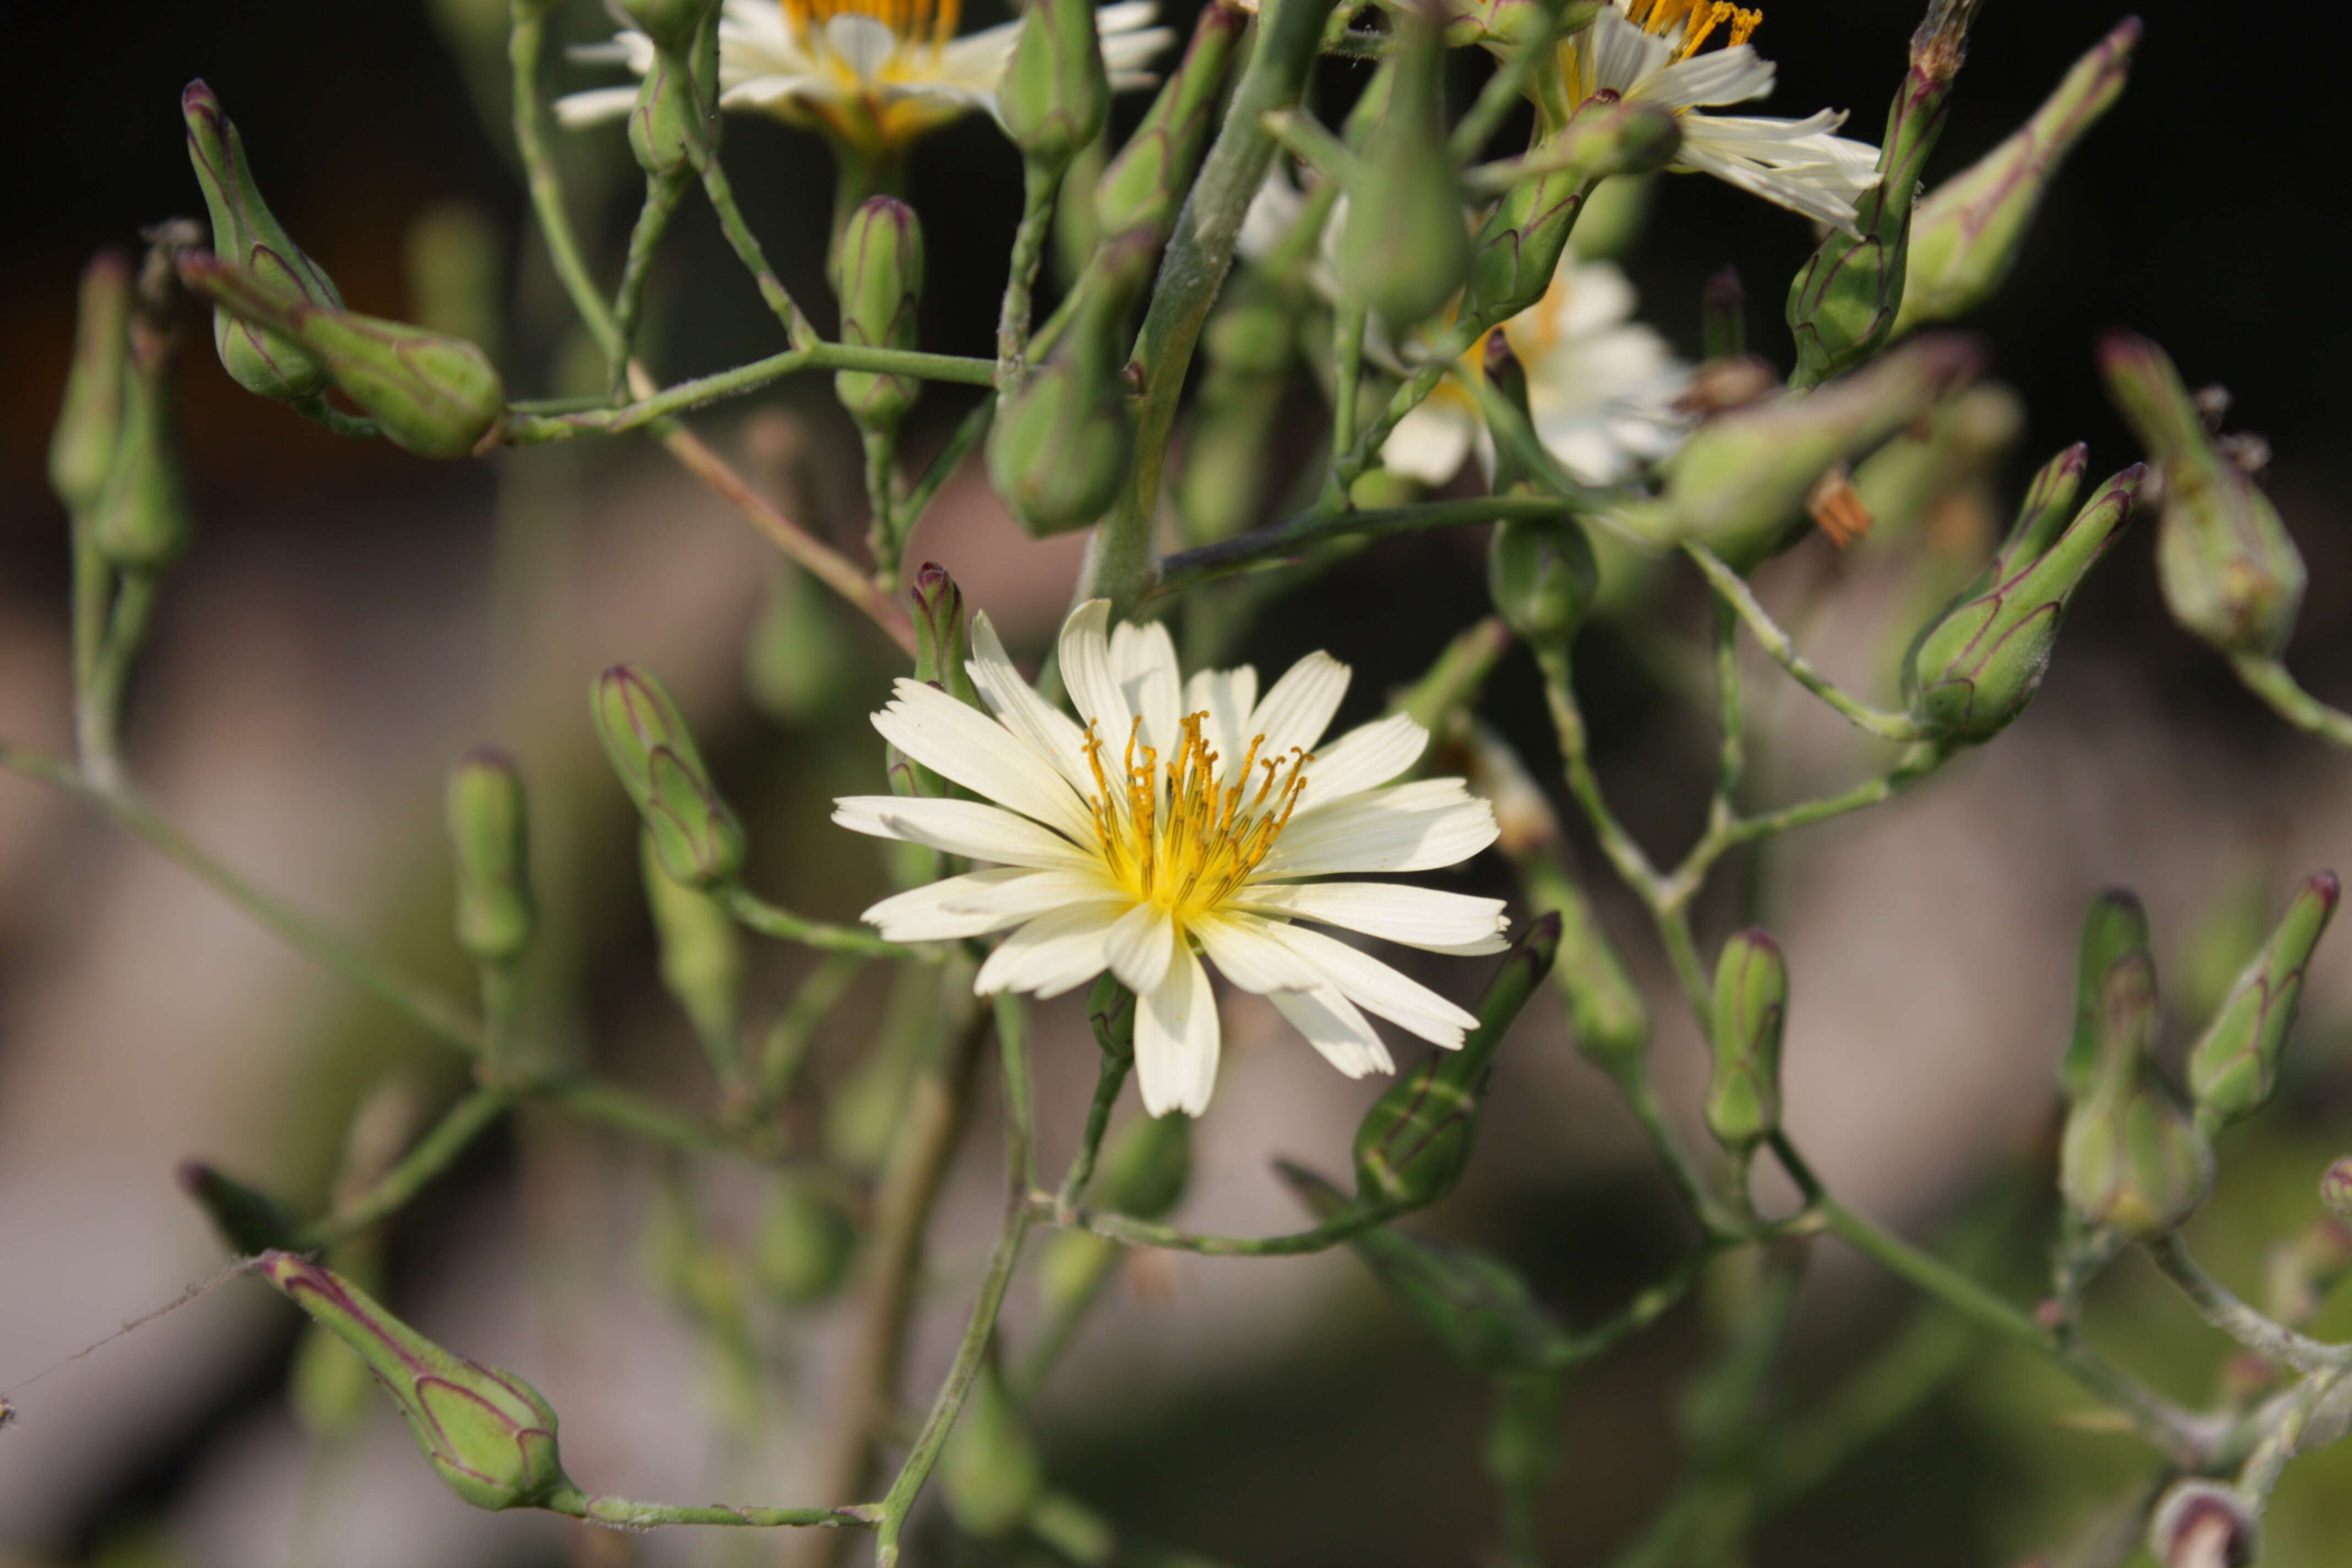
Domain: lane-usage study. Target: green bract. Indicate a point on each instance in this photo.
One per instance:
(1751, 1007)
(695, 834)
(2233, 1067)
(881, 263)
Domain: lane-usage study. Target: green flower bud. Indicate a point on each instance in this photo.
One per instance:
(140, 521)
(2230, 574)
(436, 396)
(801, 1252)
(793, 665)
(2131, 1159)
(455, 266)
(1414, 1143)
(1510, 22)
(487, 1433)
(1967, 232)
(488, 828)
(1842, 302)
(2233, 1067)
(257, 356)
(247, 1218)
(1475, 1306)
(669, 124)
(1145, 1168)
(1054, 94)
(701, 950)
(695, 835)
(1523, 1445)
(1519, 247)
(1404, 248)
(2115, 959)
(1541, 577)
(1247, 347)
(881, 271)
(989, 1469)
(941, 650)
(81, 447)
(1944, 477)
(1738, 485)
(1148, 181)
(670, 24)
(1060, 448)
(1751, 1004)
(1975, 667)
(2335, 1189)
(2203, 1525)
(328, 1384)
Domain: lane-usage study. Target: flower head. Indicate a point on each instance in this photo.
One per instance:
(874, 75)
(1650, 51)
(1177, 820)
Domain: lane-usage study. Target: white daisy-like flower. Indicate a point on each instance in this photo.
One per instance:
(1647, 51)
(874, 74)
(1180, 819)
(1601, 387)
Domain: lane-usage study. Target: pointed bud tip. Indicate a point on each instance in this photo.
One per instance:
(198, 97)
(2327, 889)
(2203, 1525)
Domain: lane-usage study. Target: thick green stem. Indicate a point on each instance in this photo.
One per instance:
(2268, 679)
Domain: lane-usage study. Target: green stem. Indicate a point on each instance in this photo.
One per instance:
(93, 592)
(663, 193)
(624, 1111)
(1119, 560)
(1732, 590)
(755, 913)
(2268, 679)
(1503, 90)
(98, 723)
(2251, 1329)
(786, 1045)
(1283, 542)
(432, 1013)
(886, 533)
(326, 415)
(626, 1514)
(525, 45)
(1040, 183)
(969, 434)
(1110, 1076)
(537, 429)
(1632, 866)
(1731, 716)
(715, 185)
(1342, 1226)
(1348, 322)
(463, 1122)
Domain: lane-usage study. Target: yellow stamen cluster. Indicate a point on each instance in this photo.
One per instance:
(1172, 832)
(1697, 19)
(913, 21)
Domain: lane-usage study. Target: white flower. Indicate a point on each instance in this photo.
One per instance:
(1646, 51)
(1601, 387)
(1182, 819)
(874, 74)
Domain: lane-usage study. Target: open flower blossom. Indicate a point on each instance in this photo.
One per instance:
(1648, 51)
(874, 75)
(1601, 387)
(1177, 820)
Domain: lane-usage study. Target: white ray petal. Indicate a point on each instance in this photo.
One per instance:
(1431, 443)
(1144, 662)
(1734, 75)
(1337, 1027)
(1029, 892)
(1086, 671)
(597, 104)
(1298, 708)
(1053, 954)
(863, 44)
(1227, 697)
(931, 912)
(1364, 758)
(961, 744)
(1020, 709)
(1367, 833)
(1418, 917)
(968, 827)
(1176, 1040)
(1377, 988)
(1141, 946)
(1245, 953)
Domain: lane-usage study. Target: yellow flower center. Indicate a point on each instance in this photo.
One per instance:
(1698, 18)
(1172, 833)
(914, 21)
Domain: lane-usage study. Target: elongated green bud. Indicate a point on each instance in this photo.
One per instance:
(801, 1251)
(1842, 302)
(2131, 1159)
(1474, 1305)
(1247, 348)
(438, 396)
(1975, 669)
(695, 834)
(496, 915)
(489, 1433)
(1062, 444)
(2234, 1065)
(81, 445)
(701, 950)
(1519, 247)
(141, 521)
(2116, 955)
(1414, 1143)
(670, 123)
(247, 1218)
(881, 271)
(1738, 486)
(2230, 574)
(942, 647)
(1054, 94)
(1145, 182)
(1966, 233)
(1541, 577)
(1751, 1004)
(260, 357)
(990, 1470)
(1404, 247)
